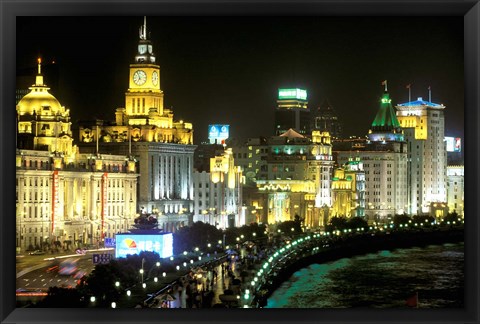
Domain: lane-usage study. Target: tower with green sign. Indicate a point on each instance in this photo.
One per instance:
(292, 111)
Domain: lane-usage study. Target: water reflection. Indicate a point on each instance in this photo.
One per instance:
(379, 280)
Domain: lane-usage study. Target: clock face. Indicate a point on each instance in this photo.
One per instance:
(155, 78)
(139, 77)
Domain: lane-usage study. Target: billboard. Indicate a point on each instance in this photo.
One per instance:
(300, 94)
(128, 243)
(454, 144)
(218, 133)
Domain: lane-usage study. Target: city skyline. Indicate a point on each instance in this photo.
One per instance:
(227, 70)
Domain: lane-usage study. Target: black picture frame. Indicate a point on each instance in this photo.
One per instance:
(469, 9)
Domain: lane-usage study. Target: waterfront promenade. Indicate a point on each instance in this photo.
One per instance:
(222, 280)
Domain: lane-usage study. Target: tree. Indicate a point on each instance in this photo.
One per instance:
(198, 234)
(451, 217)
(101, 283)
(425, 219)
(400, 219)
(336, 224)
(357, 222)
(62, 297)
(286, 227)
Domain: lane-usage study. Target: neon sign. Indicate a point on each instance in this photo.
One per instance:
(292, 94)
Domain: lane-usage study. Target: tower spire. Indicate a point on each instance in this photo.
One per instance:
(39, 77)
(39, 60)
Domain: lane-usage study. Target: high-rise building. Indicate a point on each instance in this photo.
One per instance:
(423, 123)
(292, 111)
(325, 119)
(144, 128)
(64, 198)
(384, 157)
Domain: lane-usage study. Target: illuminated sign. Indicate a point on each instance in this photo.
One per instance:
(454, 144)
(129, 244)
(292, 94)
(217, 134)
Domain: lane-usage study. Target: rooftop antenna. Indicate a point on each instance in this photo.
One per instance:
(429, 93)
(145, 27)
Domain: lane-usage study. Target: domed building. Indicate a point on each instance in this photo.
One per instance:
(43, 123)
(64, 199)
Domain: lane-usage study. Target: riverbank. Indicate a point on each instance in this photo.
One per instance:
(321, 250)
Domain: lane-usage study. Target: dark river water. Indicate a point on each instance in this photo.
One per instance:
(379, 280)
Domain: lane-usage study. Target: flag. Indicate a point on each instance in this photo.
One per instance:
(412, 301)
(408, 86)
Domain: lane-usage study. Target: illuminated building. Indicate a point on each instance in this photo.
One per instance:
(292, 111)
(218, 199)
(423, 123)
(348, 190)
(252, 157)
(455, 188)
(62, 195)
(325, 119)
(384, 157)
(202, 155)
(294, 177)
(50, 71)
(146, 129)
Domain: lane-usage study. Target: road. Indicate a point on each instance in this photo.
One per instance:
(33, 271)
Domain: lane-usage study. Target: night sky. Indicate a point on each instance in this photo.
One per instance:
(228, 69)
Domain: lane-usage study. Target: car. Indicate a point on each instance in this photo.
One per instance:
(37, 252)
(53, 269)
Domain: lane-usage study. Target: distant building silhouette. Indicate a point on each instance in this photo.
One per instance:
(325, 119)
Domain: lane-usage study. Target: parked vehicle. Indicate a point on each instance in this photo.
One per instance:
(37, 252)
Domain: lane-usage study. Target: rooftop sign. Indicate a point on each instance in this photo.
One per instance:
(292, 94)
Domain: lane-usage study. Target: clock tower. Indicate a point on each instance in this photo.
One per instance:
(144, 95)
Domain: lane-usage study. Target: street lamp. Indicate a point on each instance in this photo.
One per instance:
(141, 270)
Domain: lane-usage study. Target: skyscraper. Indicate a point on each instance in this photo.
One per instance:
(423, 123)
(325, 119)
(292, 111)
